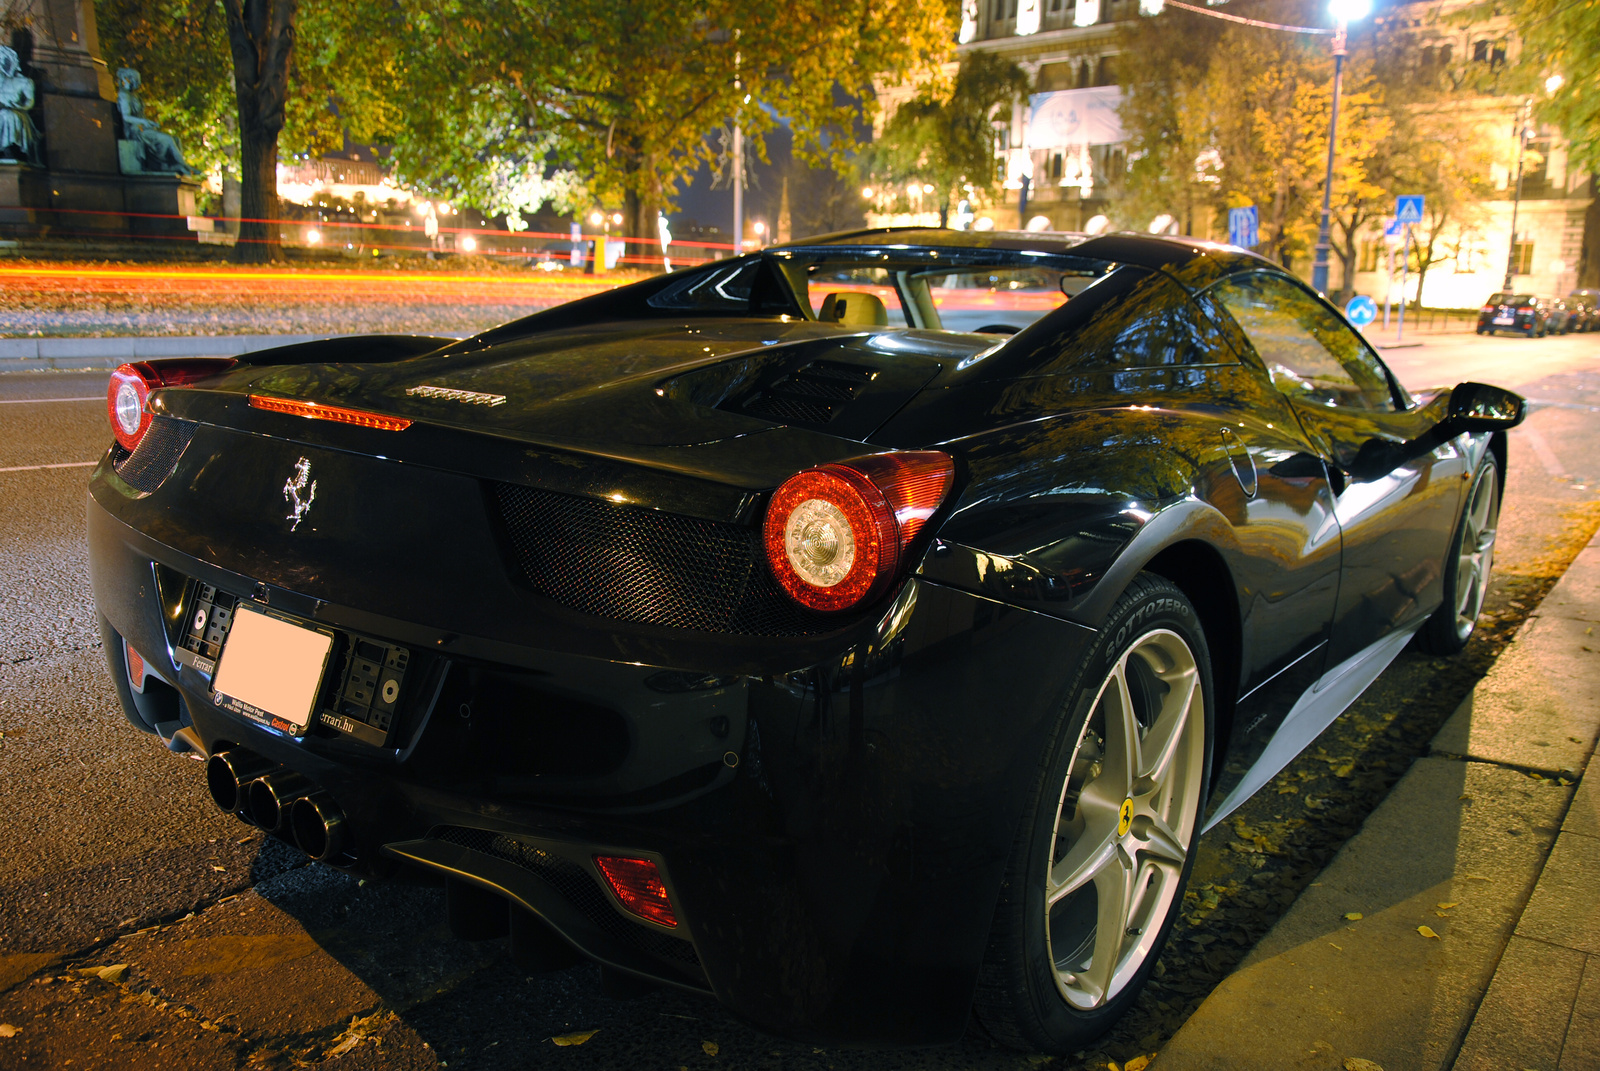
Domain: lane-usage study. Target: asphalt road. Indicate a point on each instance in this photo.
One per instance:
(241, 955)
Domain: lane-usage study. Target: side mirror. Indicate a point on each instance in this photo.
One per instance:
(1481, 407)
(1473, 407)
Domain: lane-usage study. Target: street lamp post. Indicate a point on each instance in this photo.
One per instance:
(1516, 201)
(1319, 267)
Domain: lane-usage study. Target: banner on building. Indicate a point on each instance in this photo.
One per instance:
(1072, 117)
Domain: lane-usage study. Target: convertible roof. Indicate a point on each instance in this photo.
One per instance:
(1194, 261)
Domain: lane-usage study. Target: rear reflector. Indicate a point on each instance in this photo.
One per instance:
(336, 413)
(638, 887)
(135, 667)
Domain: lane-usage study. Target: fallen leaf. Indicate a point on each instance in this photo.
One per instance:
(1356, 1063)
(1339, 947)
(574, 1039)
(1448, 906)
(1353, 916)
(9, 1031)
(359, 1030)
(219, 869)
(1427, 931)
(114, 973)
(710, 1047)
(1138, 1063)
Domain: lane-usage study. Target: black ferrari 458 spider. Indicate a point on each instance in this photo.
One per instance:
(861, 631)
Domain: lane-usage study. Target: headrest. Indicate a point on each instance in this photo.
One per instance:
(853, 307)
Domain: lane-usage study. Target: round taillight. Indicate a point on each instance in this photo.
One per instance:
(836, 535)
(126, 397)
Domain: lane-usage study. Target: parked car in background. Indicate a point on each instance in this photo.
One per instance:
(1559, 321)
(1525, 313)
(1585, 306)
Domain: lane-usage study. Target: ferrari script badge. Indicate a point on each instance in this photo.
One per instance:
(299, 490)
(1125, 818)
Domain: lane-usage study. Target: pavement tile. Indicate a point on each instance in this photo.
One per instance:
(1577, 593)
(1520, 1023)
(1584, 814)
(1581, 1051)
(1378, 989)
(1565, 907)
(1540, 708)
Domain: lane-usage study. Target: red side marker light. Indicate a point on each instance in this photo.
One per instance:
(337, 413)
(638, 887)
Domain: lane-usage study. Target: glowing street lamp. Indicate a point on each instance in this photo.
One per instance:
(1343, 12)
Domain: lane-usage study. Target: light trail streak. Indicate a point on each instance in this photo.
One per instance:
(57, 465)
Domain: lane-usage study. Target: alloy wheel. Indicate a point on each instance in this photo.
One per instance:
(1476, 550)
(1125, 819)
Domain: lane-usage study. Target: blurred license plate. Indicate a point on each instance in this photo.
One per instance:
(1507, 320)
(271, 669)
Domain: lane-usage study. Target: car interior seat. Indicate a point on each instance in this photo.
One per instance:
(852, 307)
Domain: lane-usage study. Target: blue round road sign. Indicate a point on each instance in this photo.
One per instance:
(1361, 310)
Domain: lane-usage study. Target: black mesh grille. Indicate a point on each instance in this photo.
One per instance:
(153, 460)
(574, 883)
(634, 564)
(810, 394)
(789, 410)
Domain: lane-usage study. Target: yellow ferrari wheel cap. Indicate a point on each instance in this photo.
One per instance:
(1125, 818)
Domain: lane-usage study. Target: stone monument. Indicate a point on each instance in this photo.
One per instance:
(70, 182)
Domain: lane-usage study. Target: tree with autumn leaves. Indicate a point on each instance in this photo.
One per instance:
(509, 103)
(1220, 115)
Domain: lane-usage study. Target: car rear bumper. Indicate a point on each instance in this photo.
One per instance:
(832, 814)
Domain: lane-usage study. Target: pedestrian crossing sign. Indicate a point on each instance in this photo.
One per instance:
(1408, 209)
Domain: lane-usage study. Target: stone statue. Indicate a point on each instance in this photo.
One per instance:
(19, 141)
(145, 149)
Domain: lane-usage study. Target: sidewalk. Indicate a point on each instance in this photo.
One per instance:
(1460, 928)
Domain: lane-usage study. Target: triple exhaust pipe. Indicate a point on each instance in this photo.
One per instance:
(277, 800)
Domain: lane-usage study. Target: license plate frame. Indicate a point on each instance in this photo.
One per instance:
(272, 668)
(1504, 321)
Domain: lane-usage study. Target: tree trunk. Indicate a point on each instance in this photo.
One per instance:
(1346, 252)
(261, 38)
(258, 198)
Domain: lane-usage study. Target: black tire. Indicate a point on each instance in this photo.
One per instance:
(1452, 624)
(1038, 951)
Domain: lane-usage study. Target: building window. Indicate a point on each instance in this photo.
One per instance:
(1055, 7)
(1103, 74)
(1522, 258)
(1083, 73)
(1054, 76)
(999, 11)
(1055, 168)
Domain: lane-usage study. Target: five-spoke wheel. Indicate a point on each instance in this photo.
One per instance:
(1467, 568)
(1097, 875)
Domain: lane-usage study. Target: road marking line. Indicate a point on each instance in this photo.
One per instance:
(57, 465)
(1542, 451)
(25, 401)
